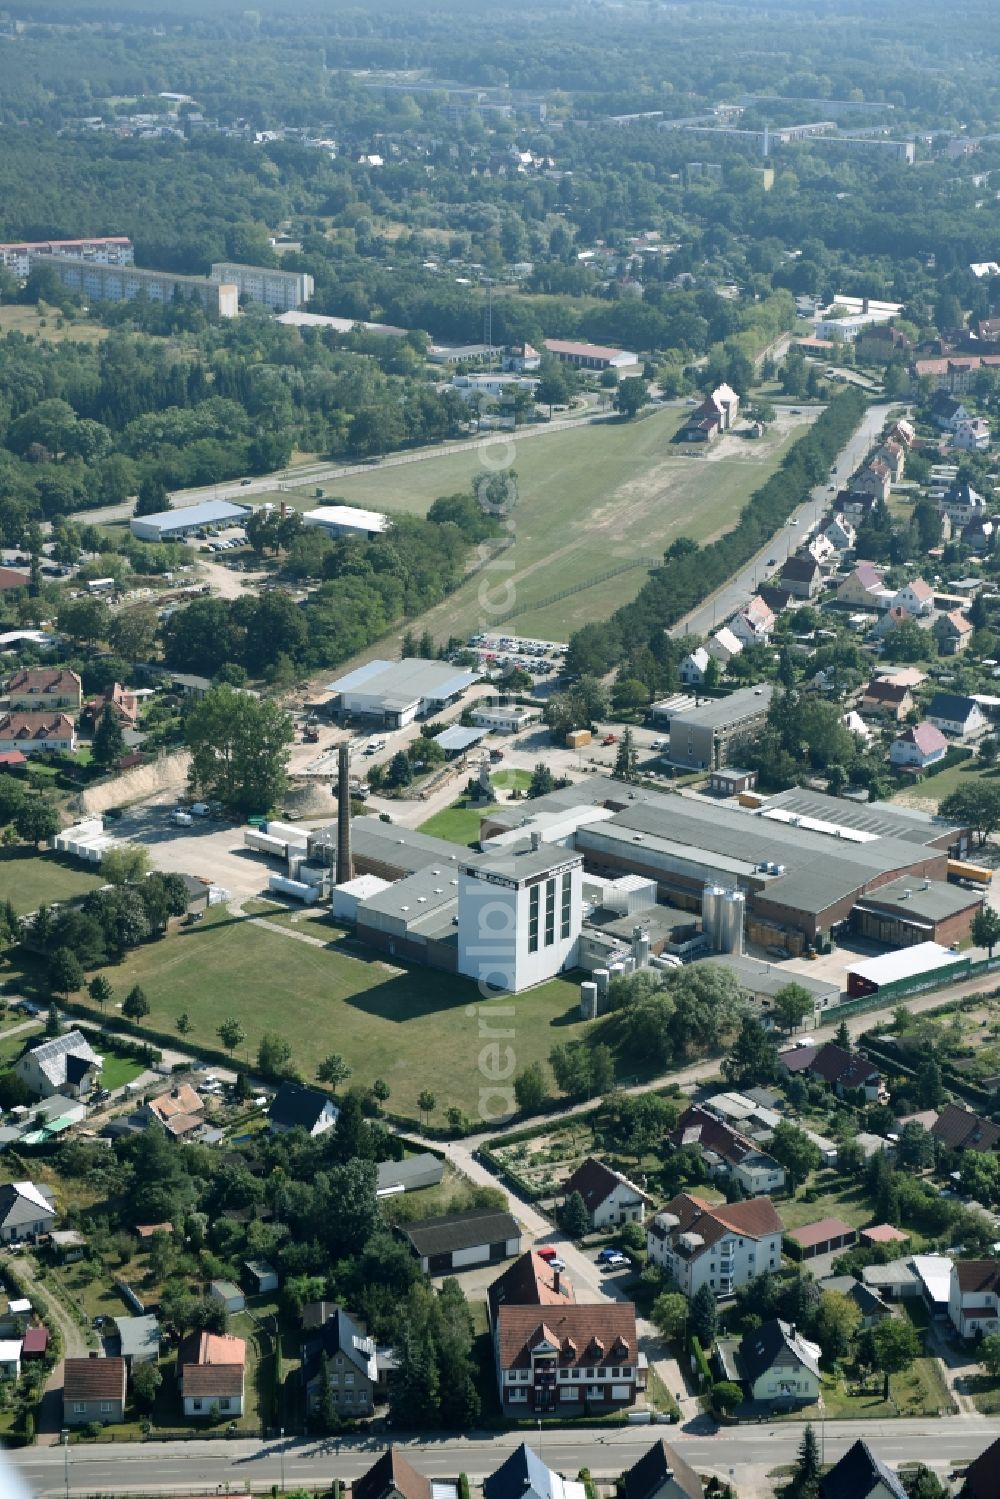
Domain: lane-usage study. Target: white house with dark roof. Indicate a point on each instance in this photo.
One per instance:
(65, 1064)
(960, 717)
(779, 1366)
(609, 1197)
(841, 534)
(25, 1211)
(295, 1106)
(974, 1297)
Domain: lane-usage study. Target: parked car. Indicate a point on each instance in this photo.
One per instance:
(610, 739)
(612, 1259)
(547, 1252)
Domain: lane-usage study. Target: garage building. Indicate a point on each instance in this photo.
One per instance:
(394, 693)
(906, 912)
(922, 966)
(458, 1240)
(170, 525)
(824, 1237)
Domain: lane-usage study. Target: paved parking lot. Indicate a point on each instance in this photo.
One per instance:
(208, 850)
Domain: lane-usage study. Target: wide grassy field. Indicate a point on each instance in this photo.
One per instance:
(42, 324)
(590, 499)
(930, 791)
(413, 1027)
(31, 879)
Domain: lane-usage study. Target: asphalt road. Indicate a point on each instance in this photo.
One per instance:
(748, 1452)
(738, 590)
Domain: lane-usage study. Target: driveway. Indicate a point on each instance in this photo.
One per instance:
(74, 1344)
(958, 1366)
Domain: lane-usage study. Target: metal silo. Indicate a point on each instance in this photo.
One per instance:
(588, 1001)
(601, 979)
(640, 947)
(711, 914)
(731, 922)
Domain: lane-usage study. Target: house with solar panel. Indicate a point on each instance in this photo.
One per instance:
(64, 1064)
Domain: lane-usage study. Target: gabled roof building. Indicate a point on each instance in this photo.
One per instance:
(722, 1245)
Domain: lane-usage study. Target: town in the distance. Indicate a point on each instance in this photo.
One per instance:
(499, 752)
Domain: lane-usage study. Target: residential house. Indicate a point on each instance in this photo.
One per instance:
(295, 1106)
(918, 747)
(722, 1246)
(881, 342)
(10, 1358)
(867, 1300)
(260, 1277)
(529, 1281)
(972, 436)
(576, 1359)
(211, 1374)
(974, 1297)
(724, 645)
(845, 1071)
(903, 431)
(25, 1211)
(860, 1475)
(891, 620)
(716, 414)
(953, 714)
(896, 1281)
(841, 534)
(11, 580)
(874, 478)
(44, 688)
(801, 576)
(524, 1476)
(521, 358)
(980, 535)
(887, 699)
(916, 597)
(139, 1339)
(853, 504)
(982, 1477)
(822, 550)
(36, 1342)
(857, 726)
(123, 704)
(778, 1365)
(963, 504)
(609, 1197)
(692, 669)
(455, 1241)
(661, 1473)
(34, 733)
(392, 1477)
(65, 1064)
(959, 1129)
(93, 1390)
(953, 632)
(179, 1112)
(946, 412)
(894, 457)
(728, 1153)
(864, 588)
(351, 1364)
(753, 624)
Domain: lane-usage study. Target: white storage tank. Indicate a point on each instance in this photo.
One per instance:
(588, 1001)
(733, 912)
(601, 978)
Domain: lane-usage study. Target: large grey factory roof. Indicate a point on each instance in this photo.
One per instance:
(881, 818)
(593, 791)
(400, 683)
(920, 900)
(404, 847)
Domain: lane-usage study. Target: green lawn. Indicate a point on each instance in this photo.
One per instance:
(459, 823)
(921, 1391)
(834, 1200)
(590, 499)
(31, 879)
(986, 1394)
(414, 1027)
(117, 1071)
(11, 1047)
(936, 788)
